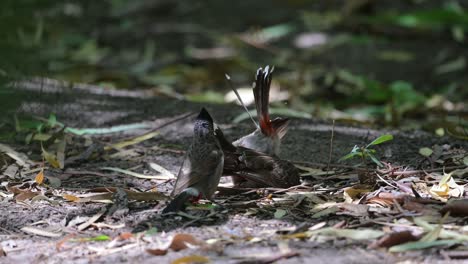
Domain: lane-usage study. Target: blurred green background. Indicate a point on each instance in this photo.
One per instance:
(398, 63)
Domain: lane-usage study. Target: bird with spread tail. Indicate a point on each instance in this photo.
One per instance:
(253, 169)
(252, 160)
(267, 137)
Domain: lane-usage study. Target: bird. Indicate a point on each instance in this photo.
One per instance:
(254, 169)
(202, 167)
(267, 137)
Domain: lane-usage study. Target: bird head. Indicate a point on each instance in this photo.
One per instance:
(203, 124)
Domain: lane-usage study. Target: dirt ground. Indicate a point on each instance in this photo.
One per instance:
(241, 228)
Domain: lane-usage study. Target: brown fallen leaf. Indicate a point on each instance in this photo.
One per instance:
(456, 208)
(157, 251)
(22, 194)
(2, 252)
(191, 259)
(132, 195)
(51, 159)
(392, 239)
(356, 192)
(71, 198)
(125, 236)
(40, 177)
(360, 210)
(178, 242)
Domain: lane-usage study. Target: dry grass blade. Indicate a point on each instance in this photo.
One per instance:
(92, 220)
(135, 174)
(162, 170)
(40, 231)
(20, 158)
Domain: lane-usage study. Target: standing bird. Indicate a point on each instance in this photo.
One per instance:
(202, 167)
(267, 137)
(253, 169)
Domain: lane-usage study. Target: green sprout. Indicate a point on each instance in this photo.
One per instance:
(367, 152)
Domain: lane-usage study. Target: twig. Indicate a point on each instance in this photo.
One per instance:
(382, 179)
(198, 219)
(324, 165)
(331, 147)
(228, 78)
(384, 172)
(400, 173)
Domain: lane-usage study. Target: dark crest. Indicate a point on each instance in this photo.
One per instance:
(204, 115)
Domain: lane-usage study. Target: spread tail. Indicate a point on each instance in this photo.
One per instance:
(278, 126)
(261, 92)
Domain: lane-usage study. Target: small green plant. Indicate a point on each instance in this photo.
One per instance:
(367, 152)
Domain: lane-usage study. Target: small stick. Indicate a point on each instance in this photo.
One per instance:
(331, 146)
(228, 78)
(198, 219)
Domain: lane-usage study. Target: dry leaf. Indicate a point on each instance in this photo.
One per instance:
(157, 252)
(393, 239)
(61, 146)
(354, 193)
(91, 220)
(125, 236)
(180, 241)
(359, 210)
(133, 141)
(40, 177)
(51, 159)
(357, 234)
(162, 170)
(21, 159)
(25, 195)
(191, 259)
(446, 188)
(71, 198)
(40, 231)
(137, 175)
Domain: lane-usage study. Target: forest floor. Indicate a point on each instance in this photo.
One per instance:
(330, 218)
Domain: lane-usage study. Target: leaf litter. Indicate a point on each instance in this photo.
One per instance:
(404, 209)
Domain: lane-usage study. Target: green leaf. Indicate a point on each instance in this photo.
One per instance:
(426, 152)
(421, 245)
(350, 155)
(280, 213)
(356, 151)
(380, 140)
(96, 238)
(52, 121)
(375, 160)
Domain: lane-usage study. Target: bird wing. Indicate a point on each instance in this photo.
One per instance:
(268, 170)
(206, 177)
(202, 171)
(183, 178)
